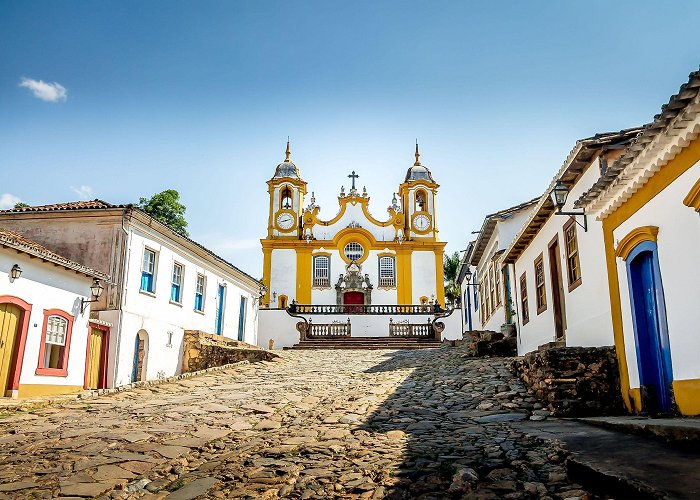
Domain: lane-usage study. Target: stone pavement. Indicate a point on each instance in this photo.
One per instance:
(317, 424)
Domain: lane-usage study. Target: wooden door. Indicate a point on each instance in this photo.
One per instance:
(9, 328)
(557, 290)
(95, 357)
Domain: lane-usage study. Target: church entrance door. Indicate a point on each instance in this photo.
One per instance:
(353, 298)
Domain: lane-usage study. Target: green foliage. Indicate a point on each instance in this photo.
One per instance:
(166, 208)
(21, 204)
(450, 265)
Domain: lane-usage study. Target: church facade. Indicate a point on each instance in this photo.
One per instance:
(352, 257)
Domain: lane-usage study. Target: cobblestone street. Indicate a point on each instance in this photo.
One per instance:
(352, 424)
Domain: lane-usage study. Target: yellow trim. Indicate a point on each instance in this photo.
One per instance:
(386, 254)
(321, 253)
(413, 221)
(279, 243)
(267, 272)
(404, 278)
(295, 218)
(358, 234)
(34, 390)
(311, 218)
(692, 200)
(635, 396)
(660, 181)
(440, 277)
(304, 275)
(634, 238)
(687, 395)
(424, 300)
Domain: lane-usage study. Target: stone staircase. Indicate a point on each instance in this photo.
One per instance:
(367, 343)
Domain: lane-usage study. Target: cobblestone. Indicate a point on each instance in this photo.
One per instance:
(341, 424)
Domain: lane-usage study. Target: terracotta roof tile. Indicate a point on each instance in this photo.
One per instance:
(73, 205)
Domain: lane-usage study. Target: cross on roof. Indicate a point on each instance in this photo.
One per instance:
(353, 176)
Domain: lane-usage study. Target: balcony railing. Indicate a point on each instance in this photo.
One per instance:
(377, 309)
(402, 329)
(329, 330)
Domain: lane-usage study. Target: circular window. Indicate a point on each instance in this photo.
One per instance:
(354, 251)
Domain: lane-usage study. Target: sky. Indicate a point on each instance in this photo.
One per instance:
(118, 100)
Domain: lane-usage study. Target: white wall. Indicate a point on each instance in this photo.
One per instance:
(157, 315)
(283, 274)
(678, 249)
(46, 286)
(587, 307)
(354, 213)
(423, 274)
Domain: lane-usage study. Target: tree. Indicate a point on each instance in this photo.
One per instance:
(21, 204)
(450, 266)
(166, 208)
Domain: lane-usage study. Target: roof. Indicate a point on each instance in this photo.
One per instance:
(489, 225)
(569, 173)
(670, 112)
(10, 239)
(464, 262)
(97, 204)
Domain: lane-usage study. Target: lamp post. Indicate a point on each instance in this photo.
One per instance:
(15, 272)
(559, 194)
(96, 290)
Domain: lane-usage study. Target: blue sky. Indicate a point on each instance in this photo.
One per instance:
(200, 96)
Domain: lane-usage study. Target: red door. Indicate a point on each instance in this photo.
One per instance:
(353, 298)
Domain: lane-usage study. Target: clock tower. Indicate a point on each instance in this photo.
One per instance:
(418, 193)
(287, 190)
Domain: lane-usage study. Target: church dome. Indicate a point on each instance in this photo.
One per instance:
(418, 172)
(287, 168)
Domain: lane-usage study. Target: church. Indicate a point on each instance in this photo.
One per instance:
(352, 257)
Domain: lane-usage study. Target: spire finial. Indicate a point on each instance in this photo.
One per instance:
(288, 152)
(417, 163)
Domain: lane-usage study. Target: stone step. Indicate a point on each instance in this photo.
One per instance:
(684, 432)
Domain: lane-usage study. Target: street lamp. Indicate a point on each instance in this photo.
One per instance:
(15, 272)
(559, 194)
(96, 290)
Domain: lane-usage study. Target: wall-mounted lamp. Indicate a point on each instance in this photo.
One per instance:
(15, 272)
(274, 296)
(96, 290)
(559, 195)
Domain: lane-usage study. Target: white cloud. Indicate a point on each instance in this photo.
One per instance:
(8, 200)
(50, 92)
(85, 192)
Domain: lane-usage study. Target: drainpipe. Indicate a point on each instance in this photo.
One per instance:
(122, 292)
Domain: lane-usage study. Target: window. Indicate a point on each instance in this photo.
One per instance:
(487, 300)
(322, 271)
(199, 293)
(148, 271)
(282, 302)
(176, 284)
(492, 289)
(573, 266)
(523, 300)
(497, 274)
(55, 343)
(286, 198)
(482, 310)
(387, 271)
(420, 200)
(241, 319)
(476, 292)
(354, 251)
(220, 306)
(540, 288)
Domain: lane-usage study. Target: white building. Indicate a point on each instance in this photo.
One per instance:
(469, 288)
(649, 204)
(162, 283)
(560, 293)
(47, 344)
(497, 231)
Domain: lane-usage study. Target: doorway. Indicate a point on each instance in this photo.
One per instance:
(352, 300)
(558, 304)
(10, 316)
(96, 363)
(138, 372)
(650, 331)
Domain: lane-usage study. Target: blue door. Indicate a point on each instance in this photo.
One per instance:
(135, 369)
(220, 303)
(651, 335)
(241, 319)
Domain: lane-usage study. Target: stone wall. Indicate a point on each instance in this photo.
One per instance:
(204, 350)
(489, 343)
(573, 381)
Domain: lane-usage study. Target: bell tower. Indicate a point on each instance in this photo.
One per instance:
(286, 190)
(418, 194)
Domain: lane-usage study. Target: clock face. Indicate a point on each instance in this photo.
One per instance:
(421, 222)
(285, 220)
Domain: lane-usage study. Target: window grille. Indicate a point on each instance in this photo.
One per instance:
(541, 289)
(148, 268)
(523, 300)
(176, 286)
(322, 271)
(387, 271)
(56, 329)
(354, 251)
(573, 266)
(199, 293)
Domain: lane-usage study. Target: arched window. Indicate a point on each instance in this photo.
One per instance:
(286, 198)
(387, 271)
(353, 251)
(53, 353)
(282, 301)
(424, 300)
(421, 203)
(322, 271)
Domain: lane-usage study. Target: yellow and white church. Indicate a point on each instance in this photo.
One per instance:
(353, 257)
